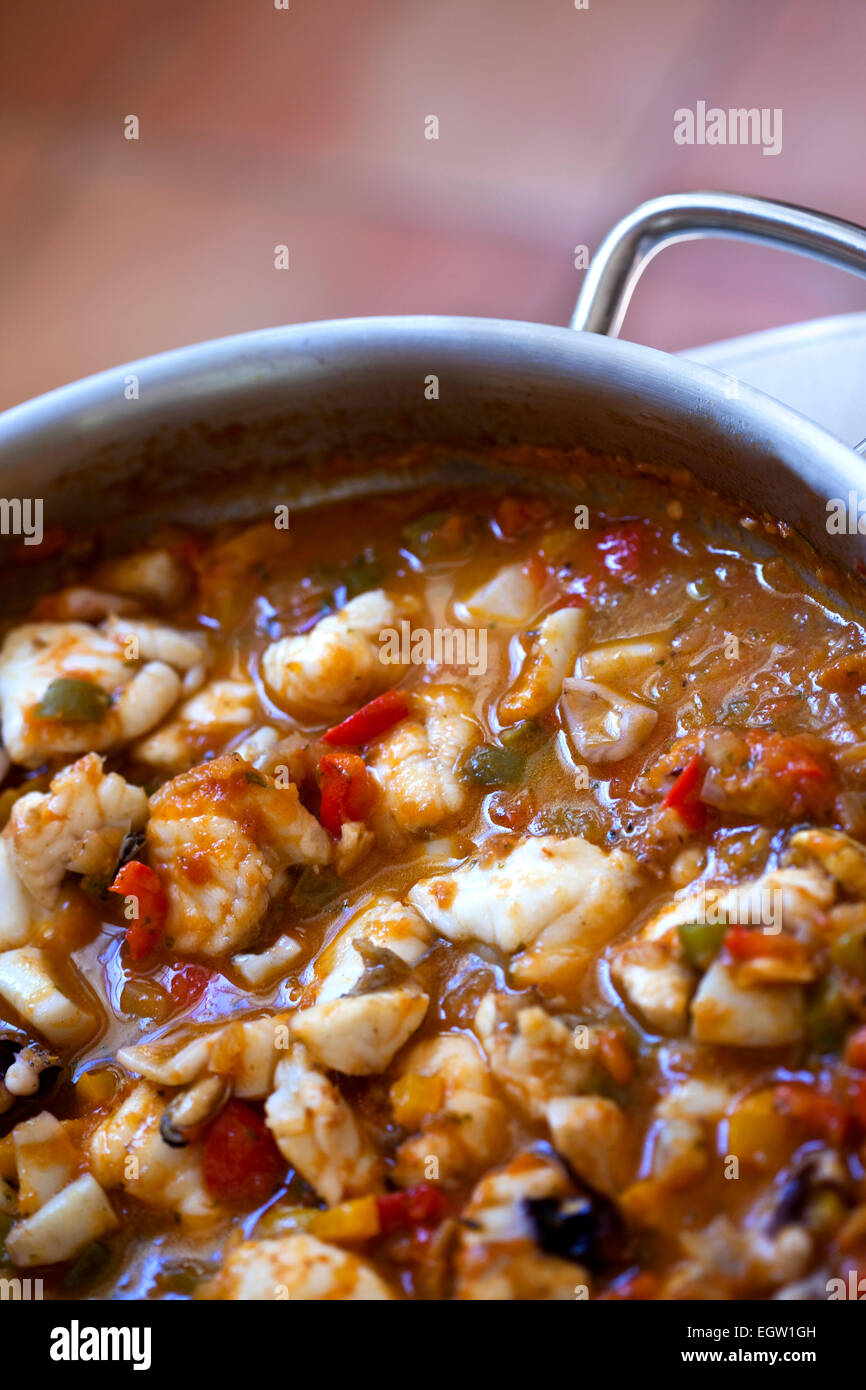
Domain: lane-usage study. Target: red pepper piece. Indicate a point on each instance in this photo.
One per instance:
(348, 791)
(137, 882)
(371, 720)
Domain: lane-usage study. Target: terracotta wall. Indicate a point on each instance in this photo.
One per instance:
(305, 127)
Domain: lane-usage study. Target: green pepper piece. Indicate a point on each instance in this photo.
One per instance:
(183, 1278)
(701, 941)
(524, 737)
(849, 952)
(91, 1265)
(314, 890)
(363, 573)
(491, 766)
(827, 1015)
(74, 701)
(429, 536)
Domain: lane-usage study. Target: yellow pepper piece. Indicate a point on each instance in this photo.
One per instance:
(758, 1134)
(414, 1097)
(354, 1220)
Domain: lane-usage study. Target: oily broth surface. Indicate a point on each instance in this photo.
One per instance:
(697, 589)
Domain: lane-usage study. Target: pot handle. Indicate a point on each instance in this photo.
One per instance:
(628, 249)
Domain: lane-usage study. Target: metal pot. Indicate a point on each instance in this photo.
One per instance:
(183, 433)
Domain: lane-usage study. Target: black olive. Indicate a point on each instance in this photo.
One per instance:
(131, 846)
(13, 1041)
(587, 1228)
(799, 1189)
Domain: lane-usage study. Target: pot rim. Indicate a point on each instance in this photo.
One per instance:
(255, 360)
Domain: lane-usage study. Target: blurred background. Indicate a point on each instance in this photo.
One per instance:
(305, 127)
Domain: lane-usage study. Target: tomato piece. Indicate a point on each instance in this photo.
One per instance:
(417, 1206)
(188, 983)
(855, 1098)
(517, 515)
(622, 550)
(240, 1160)
(371, 720)
(821, 1116)
(745, 944)
(512, 809)
(855, 1050)
(789, 773)
(348, 790)
(143, 890)
(54, 539)
(683, 796)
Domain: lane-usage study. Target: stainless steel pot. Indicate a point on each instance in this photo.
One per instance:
(181, 434)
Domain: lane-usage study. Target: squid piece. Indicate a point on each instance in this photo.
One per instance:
(604, 726)
(511, 598)
(73, 1218)
(221, 710)
(551, 659)
(27, 983)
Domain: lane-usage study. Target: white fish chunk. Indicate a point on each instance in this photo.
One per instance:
(416, 764)
(760, 1016)
(317, 1132)
(321, 675)
(126, 1150)
(360, 1035)
(221, 837)
(296, 1267)
(552, 903)
(78, 825)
